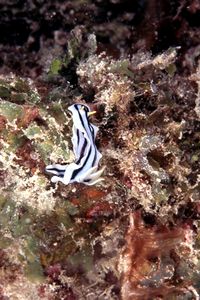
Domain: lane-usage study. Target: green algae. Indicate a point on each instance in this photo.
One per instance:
(45, 148)
(34, 271)
(18, 90)
(46, 141)
(55, 66)
(171, 69)
(57, 95)
(5, 242)
(36, 232)
(19, 97)
(159, 194)
(21, 85)
(72, 209)
(55, 233)
(21, 222)
(7, 214)
(122, 67)
(14, 141)
(10, 110)
(79, 47)
(83, 258)
(62, 215)
(33, 131)
(3, 200)
(21, 225)
(11, 221)
(4, 92)
(30, 249)
(57, 111)
(195, 158)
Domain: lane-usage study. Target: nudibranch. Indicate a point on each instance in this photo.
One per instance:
(85, 167)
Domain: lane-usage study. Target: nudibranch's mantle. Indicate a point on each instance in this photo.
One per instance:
(84, 169)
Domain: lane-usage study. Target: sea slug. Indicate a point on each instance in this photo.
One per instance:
(85, 167)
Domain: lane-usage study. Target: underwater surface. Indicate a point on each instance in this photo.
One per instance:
(135, 234)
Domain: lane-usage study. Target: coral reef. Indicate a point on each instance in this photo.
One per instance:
(135, 235)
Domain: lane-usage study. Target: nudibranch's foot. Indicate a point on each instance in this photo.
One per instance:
(92, 182)
(55, 179)
(91, 177)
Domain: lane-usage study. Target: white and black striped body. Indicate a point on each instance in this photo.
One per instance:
(84, 169)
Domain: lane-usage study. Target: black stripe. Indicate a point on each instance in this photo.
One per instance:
(78, 136)
(90, 127)
(95, 156)
(61, 175)
(75, 172)
(82, 151)
(92, 130)
(79, 115)
(86, 180)
(88, 122)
